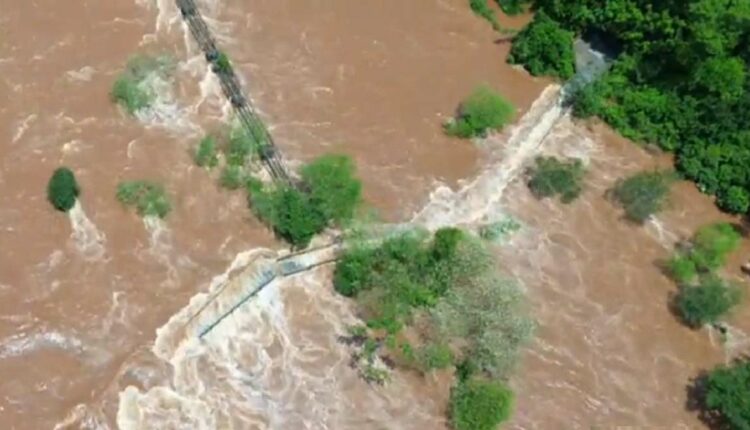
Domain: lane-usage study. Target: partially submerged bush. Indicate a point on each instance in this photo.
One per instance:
(330, 195)
(62, 189)
(727, 393)
(434, 356)
(712, 244)
(706, 302)
(481, 8)
(149, 198)
(205, 154)
(232, 177)
(544, 48)
(480, 405)
(500, 230)
(223, 65)
(131, 89)
(552, 177)
(512, 7)
(483, 111)
(643, 194)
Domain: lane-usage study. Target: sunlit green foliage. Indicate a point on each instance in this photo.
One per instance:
(205, 153)
(544, 48)
(482, 111)
(552, 177)
(232, 177)
(706, 302)
(643, 194)
(728, 394)
(679, 82)
(147, 197)
(512, 7)
(62, 189)
(330, 193)
(482, 8)
(480, 405)
(131, 89)
(223, 65)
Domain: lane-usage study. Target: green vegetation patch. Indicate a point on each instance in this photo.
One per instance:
(205, 154)
(553, 177)
(706, 302)
(706, 252)
(232, 177)
(728, 394)
(544, 48)
(62, 189)
(329, 194)
(512, 7)
(680, 81)
(148, 198)
(482, 111)
(480, 405)
(131, 89)
(483, 9)
(500, 230)
(643, 194)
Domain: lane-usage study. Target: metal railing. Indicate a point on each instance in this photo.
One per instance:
(249, 119)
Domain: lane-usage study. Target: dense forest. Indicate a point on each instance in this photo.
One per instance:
(679, 79)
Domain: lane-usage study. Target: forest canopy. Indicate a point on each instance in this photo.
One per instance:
(679, 81)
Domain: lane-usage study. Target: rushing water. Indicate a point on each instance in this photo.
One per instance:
(97, 311)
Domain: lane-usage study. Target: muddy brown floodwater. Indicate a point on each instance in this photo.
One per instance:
(95, 307)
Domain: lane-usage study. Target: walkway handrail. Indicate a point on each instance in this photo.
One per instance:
(249, 119)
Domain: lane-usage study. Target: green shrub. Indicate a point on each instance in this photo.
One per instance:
(148, 198)
(130, 89)
(232, 177)
(682, 268)
(329, 195)
(544, 48)
(484, 110)
(712, 244)
(706, 302)
(62, 189)
(551, 177)
(728, 394)
(334, 189)
(434, 356)
(223, 65)
(512, 7)
(481, 8)
(205, 154)
(500, 230)
(734, 200)
(643, 194)
(480, 405)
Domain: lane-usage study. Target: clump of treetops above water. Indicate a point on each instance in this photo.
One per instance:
(135, 88)
(63, 189)
(483, 111)
(437, 301)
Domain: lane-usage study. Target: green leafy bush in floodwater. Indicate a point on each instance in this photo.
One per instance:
(512, 7)
(205, 154)
(643, 194)
(500, 230)
(329, 195)
(544, 48)
(131, 89)
(482, 111)
(149, 199)
(480, 405)
(551, 177)
(481, 8)
(245, 143)
(728, 394)
(62, 189)
(232, 177)
(706, 252)
(434, 356)
(223, 65)
(706, 302)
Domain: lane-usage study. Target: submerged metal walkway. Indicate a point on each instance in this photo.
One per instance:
(230, 85)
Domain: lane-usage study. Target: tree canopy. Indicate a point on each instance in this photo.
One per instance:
(728, 393)
(62, 189)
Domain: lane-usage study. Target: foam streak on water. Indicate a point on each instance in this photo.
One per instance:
(480, 197)
(89, 241)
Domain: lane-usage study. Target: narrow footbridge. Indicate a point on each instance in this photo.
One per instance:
(246, 113)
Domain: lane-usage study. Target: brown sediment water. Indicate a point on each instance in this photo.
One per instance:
(96, 307)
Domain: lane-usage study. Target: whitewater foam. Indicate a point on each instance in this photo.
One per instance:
(88, 239)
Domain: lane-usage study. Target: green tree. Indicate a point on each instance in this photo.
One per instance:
(712, 244)
(481, 8)
(482, 111)
(205, 154)
(334, 190)
(706, 302)
(232, 177)
(480, 405)
(642, 195)
(149, 198)
(551, 177)
(734, 200)
(544, 48)
(62, 189)
(728, 393)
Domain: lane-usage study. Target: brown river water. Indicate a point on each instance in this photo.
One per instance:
(95, 307)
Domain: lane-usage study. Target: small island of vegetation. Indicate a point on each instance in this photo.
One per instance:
(148, 198)
(63, 189)
(483, 111)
